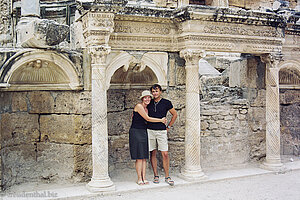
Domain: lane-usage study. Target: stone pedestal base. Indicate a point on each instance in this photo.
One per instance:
(100, 185)
(274, 165)
(192, 175)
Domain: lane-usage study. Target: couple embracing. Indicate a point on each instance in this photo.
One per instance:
(148, 133)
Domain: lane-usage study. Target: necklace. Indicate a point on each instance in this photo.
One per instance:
(155, 104)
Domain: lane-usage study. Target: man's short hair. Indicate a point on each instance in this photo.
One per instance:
(155, 86)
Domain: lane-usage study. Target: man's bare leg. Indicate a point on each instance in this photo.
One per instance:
(153, 161)
(166, 162)
(166, 165)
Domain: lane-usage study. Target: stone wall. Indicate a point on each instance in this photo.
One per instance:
(290, 122)
(45, 136)
(224, 127)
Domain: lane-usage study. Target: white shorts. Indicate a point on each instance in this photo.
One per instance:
(158, 139)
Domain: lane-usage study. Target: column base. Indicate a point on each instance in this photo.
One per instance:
(274, 165)
(192, 175)
(100, 185)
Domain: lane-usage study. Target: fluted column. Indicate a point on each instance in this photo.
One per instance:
(100, 180)
(273, 161)
(192, 169)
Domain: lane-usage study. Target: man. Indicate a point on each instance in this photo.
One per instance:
(157, 131)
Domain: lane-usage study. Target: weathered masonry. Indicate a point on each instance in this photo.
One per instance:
(71, 72)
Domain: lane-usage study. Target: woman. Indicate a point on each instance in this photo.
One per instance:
(138, 137)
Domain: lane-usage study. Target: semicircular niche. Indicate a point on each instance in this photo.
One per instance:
(289, 77)
(39, 72)
(134, 76)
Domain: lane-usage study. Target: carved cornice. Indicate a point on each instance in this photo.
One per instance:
(240, 16)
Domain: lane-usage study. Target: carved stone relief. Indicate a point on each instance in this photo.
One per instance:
(39, 71)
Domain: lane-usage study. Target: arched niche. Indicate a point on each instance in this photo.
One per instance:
(127, 70)
(289, 75)
(40, 70)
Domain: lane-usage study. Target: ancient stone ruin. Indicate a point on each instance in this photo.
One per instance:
(72, 70)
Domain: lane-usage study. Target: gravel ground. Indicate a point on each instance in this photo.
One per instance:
(264, 187)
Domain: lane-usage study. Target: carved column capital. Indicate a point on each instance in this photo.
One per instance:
(99, 54)
(271, 59)
(192, 56)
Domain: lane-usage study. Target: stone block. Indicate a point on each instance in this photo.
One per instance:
(119, 122)
(172, 72)
(70, 129)
(133, 98)
(55, 161)
(176, 154)
(180, 76)
(83, 166)
(221, 152)
(243, 111)
(118, 151)
(257, 142)
(41, 102)
(237, 3)
(257, 97)
(291, 96)
(115, 100)
(226, 125)
(177, 97)
(19, 164)
(19, 101)
(204, 125)
(72, 102)
(257, 118)
(5, 101)
(229, 118)
(19, 128)
(40, 33)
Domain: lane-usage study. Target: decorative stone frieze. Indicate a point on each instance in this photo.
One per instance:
(273, 160)
(97, 28)
(192, 168)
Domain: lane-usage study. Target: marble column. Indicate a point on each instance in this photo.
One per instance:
(192, 169)
(100, 181)
(273, 160)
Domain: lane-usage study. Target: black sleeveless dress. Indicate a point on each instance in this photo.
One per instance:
(138, 137)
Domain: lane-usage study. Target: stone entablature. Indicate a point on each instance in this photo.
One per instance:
(198, 28)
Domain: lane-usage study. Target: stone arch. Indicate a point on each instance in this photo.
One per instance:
(40, 70)
(289, 74)
(156, 61)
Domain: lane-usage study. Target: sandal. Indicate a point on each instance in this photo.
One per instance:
(140, 182)
(156, 179)
(169, 181)
(146, 182)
